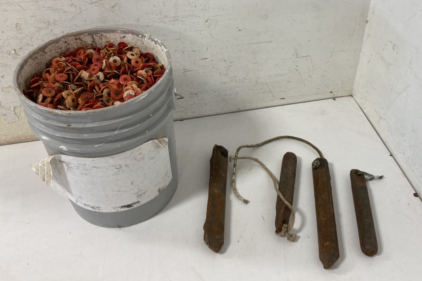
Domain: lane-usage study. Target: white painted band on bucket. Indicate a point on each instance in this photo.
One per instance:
(110, 184)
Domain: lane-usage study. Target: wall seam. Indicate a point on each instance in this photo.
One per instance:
(263, 107)
(388, 148)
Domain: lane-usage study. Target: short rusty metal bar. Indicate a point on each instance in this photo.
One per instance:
(287, 188)
(214, 223)
(365, 221)
(329, 251)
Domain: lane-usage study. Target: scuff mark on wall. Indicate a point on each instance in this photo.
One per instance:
(7, 90)
(9, 100)
(17, 131)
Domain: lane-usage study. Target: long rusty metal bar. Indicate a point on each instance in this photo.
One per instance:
(365, 221)
(329, 251)
(287, 188)
(216, 208)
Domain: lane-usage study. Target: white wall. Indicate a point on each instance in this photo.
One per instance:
(228, 55)
(389, 81)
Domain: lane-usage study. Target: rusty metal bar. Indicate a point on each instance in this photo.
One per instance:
(329, 251)
(365, 221)
(214, 223)
(287, 188)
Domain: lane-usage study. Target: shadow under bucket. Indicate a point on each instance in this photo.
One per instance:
(107, 131)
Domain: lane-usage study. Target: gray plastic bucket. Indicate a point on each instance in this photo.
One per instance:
(107, 131)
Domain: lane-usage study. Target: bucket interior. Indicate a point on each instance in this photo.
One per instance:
(38, 60)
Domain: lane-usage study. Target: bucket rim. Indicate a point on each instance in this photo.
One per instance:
(90, 31)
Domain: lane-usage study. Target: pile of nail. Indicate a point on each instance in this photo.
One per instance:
(87, 79)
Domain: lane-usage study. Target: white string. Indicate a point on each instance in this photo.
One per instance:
(235, 191)
(286, 228)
